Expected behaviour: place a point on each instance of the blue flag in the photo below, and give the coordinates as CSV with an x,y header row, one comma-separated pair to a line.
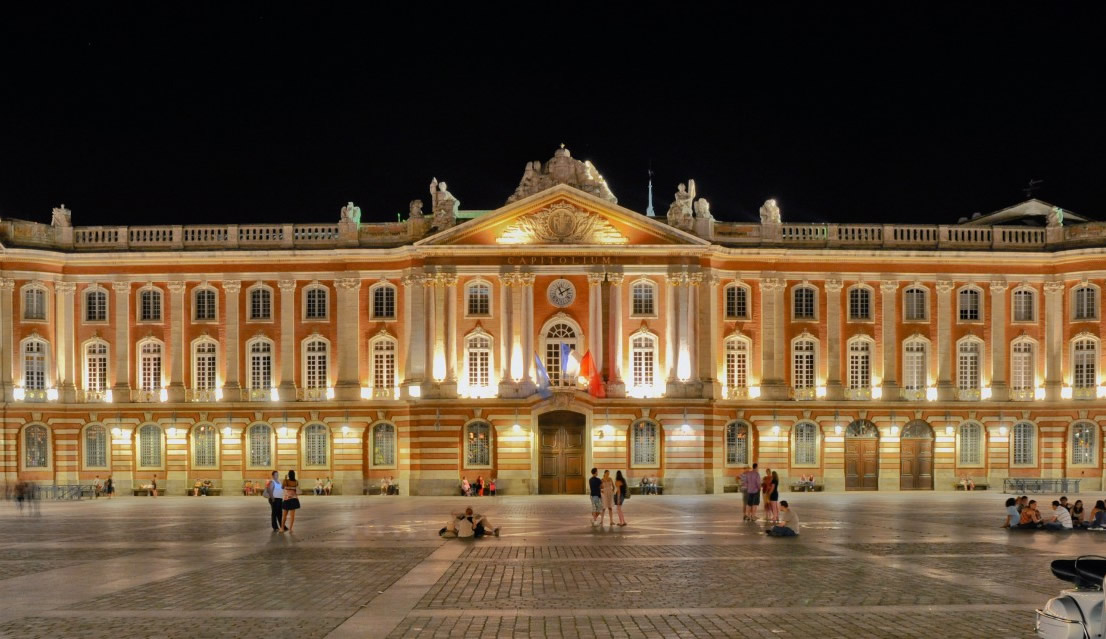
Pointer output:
x,y
543,379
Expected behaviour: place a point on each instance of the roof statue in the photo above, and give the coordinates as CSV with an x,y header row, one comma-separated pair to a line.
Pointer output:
x,y
561,169
63,217
443,205
679,213
702,209
1055,216
770,212
414,209
351,213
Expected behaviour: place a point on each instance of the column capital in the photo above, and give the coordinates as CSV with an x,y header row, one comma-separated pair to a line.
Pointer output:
x,y
525,279
65,287
713,279
615,278
232,286
834,286
999,286
694,279
121,287
676,279
348,283
412,280
445,279
889,286
176,287
6,284
595,279
287,285
770,284
1052,288
945,287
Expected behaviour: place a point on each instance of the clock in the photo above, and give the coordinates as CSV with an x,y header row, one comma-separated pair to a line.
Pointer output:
x,y
561,293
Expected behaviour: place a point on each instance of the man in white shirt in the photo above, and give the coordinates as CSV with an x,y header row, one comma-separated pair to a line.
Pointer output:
x,y
789,523
1061,519
275,495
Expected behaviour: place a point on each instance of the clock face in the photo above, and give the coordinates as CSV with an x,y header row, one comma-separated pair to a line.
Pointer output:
x,y
561,293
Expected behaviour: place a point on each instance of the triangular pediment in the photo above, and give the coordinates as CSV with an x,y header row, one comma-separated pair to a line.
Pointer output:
x,y
562,216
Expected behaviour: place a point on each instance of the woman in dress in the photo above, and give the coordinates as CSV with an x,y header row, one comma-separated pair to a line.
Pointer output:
x,y
620,495
606,493
765,492
291,501
466,489
774,497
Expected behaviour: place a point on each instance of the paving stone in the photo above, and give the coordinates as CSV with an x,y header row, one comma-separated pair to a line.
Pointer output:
x,y
197,627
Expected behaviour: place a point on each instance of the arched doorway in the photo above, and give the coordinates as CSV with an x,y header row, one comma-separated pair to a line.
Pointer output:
x,y
861,456
916,456
561,453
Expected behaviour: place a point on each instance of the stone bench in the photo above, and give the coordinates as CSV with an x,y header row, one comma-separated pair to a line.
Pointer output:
x,y
806,488
636,490
213,491
142,490
979,485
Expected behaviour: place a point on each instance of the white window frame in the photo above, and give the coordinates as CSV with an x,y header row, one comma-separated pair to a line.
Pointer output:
x,y
803,390
813,302
157,294
967,392
1027,393
306,294
383,392
86,462
730,446
961,449
305,448
648,357
871,295
651,285
658,443
981,316
247,446
795,463
249,365
305,366
23,448
1096,299
856,382
472,284
139,441
86,369
205,288
577,342
195,449
394,452
258,287
372,301
488,352
925,304
467,437
1021,292
1095,358
38,287
926,349
97,290
140,371
195,359
735,287
1032,463
733,369
47,372
1095,447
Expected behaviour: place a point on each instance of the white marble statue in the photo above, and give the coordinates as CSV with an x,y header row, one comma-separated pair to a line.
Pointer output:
x,y
351,213
414,209
562,168
63,217
443,205
702,208
770,212
680,213
1055,217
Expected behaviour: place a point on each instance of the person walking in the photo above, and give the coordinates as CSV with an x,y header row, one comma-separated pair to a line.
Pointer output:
x,y
606,491
620,491
291,501
274,492
751,480
595,486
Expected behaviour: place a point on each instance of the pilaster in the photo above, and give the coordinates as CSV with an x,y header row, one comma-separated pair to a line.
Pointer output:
x,y
231,388
670,291
999,388
945,390
595,318
526,282
834,388
176,342
121,391
64,325
414,368
287,388
6,344
616,387
772,352
507,335
348,386
710,341
1054,327
448,282
890,343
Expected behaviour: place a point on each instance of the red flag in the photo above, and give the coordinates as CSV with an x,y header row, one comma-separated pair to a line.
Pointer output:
x,y
595,380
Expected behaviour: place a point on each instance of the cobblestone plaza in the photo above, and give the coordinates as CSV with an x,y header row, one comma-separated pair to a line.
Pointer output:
x,y
870,565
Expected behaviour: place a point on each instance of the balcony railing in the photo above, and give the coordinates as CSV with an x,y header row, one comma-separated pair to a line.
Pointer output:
x,y
35,395
1085,392
202,395
311,394
737,392
84,395
858,393
257,394
146,395
1022,394
913,394
969,394
804,393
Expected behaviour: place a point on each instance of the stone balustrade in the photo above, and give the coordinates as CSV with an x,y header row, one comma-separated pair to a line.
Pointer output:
x,y
907,236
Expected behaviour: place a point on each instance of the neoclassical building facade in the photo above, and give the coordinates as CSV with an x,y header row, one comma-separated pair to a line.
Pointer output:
x,y
449,345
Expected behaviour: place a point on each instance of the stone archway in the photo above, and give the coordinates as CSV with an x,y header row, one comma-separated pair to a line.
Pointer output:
x,y
562,452
916,456
861,456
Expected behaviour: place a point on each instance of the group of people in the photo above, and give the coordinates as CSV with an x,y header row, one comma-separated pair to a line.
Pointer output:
x,y
649,485
202,488
607,496
323,488
1022,513
478,488
468,525
753,486
283,499
103,488
388,486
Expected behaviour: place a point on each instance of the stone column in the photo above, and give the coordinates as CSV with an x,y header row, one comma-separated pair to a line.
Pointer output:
x,y
890,344
999,388
709,342
429,324
348,386
121,392
773,355
671,289
616,387
449,286
1054,336
441,366
66,370
232,391
527,386
506,334
945,389
288,341
595,319
414,333
693,282
834,388
176,341
6,345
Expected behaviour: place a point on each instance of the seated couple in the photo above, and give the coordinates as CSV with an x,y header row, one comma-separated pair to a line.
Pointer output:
x,y
467,525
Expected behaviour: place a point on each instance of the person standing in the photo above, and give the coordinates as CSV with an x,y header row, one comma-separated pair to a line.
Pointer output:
x,y
765,491
109,487
274,492
773,507
606,491
153,486
291,501
595,486
620,490
751,479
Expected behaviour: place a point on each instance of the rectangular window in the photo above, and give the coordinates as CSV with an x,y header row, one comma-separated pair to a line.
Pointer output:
x,y
316,366
151,367
479,362
384,364
804,303
645,444
95,306
803,365
95,447
914,301
34,304
261,304
205,305
642,362
968,370
1023,444
1083,368
384,302
860,365
261,370
96,368
642,299
914,366
479,301
970,448
316,304
1022,367
149,306
205,367
34,365
1023,306
737,358
969,305
860,304
737,303
1085,307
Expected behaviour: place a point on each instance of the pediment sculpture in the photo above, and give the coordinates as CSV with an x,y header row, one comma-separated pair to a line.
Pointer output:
x,y
561,169
561,223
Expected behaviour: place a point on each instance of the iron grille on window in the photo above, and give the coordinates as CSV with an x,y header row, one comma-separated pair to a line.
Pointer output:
x,y
1024,306
806,443
971,444
914,365
96,367
860,364
315,441
316,363
261,445
149,446
1023,443
1085,303
969,305
914,299
36,443
261,304
34,304
150,366
149,306
479,299
479,361
642,354
643,302
737,303
316,303
384,445
95,306
205,366
803,297
261,365
1084,369
384,302
204,442
205,304
478,445
737,443
1083,443
967,378
1022,367
803,364
860,304
645,443
96,446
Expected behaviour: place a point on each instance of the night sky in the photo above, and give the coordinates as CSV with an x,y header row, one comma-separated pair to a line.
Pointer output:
x,y
182,113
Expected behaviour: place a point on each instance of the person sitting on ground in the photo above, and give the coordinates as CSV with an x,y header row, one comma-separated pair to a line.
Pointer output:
x,y
468,525
1098,515
205,488
1030,516
318,485
328,487
1023,501
1012,514
789,523
1065,504
1078,517
1061,518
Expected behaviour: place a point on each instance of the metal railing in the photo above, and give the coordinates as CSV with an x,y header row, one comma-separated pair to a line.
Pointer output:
x,y
1027,485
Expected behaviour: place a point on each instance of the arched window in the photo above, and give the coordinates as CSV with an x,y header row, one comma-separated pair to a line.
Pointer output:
x,y
260,441
203,304
384,445
205,446
737,366
384,301
149,365
95,305
645,443
149,304
1024,444
970,309
643,360
261,364
1083,442
1024,302
34,364
860,303
478,363
1023,369
315,302
204,361
805,444
34,302
478,299
260,303
478,444
316,356
95,446
1084,367
737,302
1084,302
96,367
802,303
860,365
643,299
315,439
969,356
149,446
914,304
915,367
557,335
384,366
971,444
803,356
737,444
36,447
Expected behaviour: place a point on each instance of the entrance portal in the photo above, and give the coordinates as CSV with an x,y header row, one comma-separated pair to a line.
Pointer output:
x,y
861,456
561,453
917,456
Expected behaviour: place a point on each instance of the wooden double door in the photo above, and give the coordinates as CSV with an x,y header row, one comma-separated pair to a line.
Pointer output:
x,y
916,457
561,453
861,463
